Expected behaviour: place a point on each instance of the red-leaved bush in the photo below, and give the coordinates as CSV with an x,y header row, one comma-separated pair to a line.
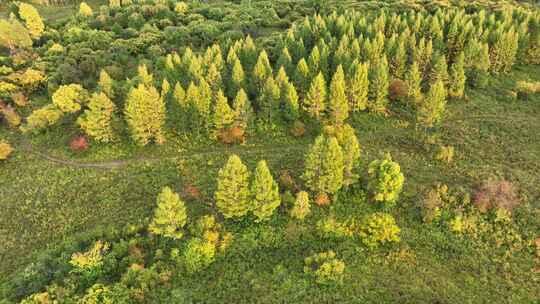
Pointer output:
x,y
233,135
398,89
496,194
78,143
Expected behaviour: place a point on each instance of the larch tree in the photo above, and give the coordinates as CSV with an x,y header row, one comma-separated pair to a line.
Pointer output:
x,y
290,103
301,207
265,193
69,98
203,104
32,19
338,105
285,60
96,121
170,215
223,114
351,153
315,101
456,86
238,78
323,171
358,87
385,180
262,71
243,111
145,114
301,75
105,84
378,86
431,109
413,79
439,69
269,99
85,10
179,95
232,195
14,35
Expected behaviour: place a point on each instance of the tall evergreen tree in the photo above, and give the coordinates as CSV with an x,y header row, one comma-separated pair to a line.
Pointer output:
x,y
170,216
351,153
285,60
301,207
223,114
265,193
315,101
323,171
232,194
32,19
378,86
238,78
439,69
431,109
262,71
301,75
96,121
105,84
338,105
179,95
243,111
358,87
269,100
145,114
413,79
290,103
456,86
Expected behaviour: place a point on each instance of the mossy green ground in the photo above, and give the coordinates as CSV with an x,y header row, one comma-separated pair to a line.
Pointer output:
x,y
44,202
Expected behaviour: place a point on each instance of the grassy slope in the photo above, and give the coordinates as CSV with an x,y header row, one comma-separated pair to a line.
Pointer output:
x,y
43,203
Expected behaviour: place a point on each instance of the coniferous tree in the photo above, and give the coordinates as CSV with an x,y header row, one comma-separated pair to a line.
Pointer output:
x,y
301,75
282,80
439,69
105,84
85,10
385,180
243,111
223,114
323,171
301,207
290,103
179,95
203,103
351,153
314,62
238,78
431,109
265,193
69,98
213,77
456,86
144,77
232,194
262,71
14,35
145,114
338,105
96,120
399,61
413,79
285,60
378,86
269,100
170,216
358,87
315,101
32,19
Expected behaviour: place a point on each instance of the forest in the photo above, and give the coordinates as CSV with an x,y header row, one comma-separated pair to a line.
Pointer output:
x,y
269,151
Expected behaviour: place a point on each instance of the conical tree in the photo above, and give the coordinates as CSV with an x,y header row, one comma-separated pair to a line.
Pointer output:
x,y
439,69
105,84
202,105
413,79
265,193
358,87
243,111
179,95
385,180
323,172
290,101
315,101
96,121
238,78
232,194
261,71
32,19
351,153
301,75
456,86
431,109
213,77
301,207
145,114
378,86
285,60
170,216
223,114
269,100
338,105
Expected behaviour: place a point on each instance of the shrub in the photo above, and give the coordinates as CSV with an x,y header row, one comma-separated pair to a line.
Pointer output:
x,y
445,154
10,115
91,259
325,268
385,180
377,229
78,143
68,98
298,129
170,216
332,229
198,254
42,118
85,10
526,88
301,207
494,194
5,150
398,90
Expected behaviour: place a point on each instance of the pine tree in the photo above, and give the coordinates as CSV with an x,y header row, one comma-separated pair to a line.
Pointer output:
x,y
314,61
144,77
170,216
399,60
315,101
265,193
285,60
301,207
338,105
358,87
96,121
32,19
238,78
179,95
378,86
223,114
269,100
232,194
301,75
323,172
202,105
105,84
431,109
243,111
213,77
262,71
85,10
413,79
351,153
439,69
456,86
145,114
290,102
192,96
14,35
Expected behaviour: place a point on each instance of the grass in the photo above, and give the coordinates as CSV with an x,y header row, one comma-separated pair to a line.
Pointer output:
x,y
44,203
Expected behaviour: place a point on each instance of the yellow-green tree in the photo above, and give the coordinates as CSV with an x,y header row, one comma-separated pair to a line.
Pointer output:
x,y
223,114
232,195
14,35
69,98
145,114
243,111
96,121
315,101
265,193
358,87
385,180
170,215
85,10
301,207
32,19
431,109
105,84
323,171
338,105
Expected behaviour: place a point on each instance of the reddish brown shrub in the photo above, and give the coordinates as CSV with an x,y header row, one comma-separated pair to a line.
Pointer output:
x,y
287,182
298,129
78,143
322,199
191,192
398,89
233,135
496,194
